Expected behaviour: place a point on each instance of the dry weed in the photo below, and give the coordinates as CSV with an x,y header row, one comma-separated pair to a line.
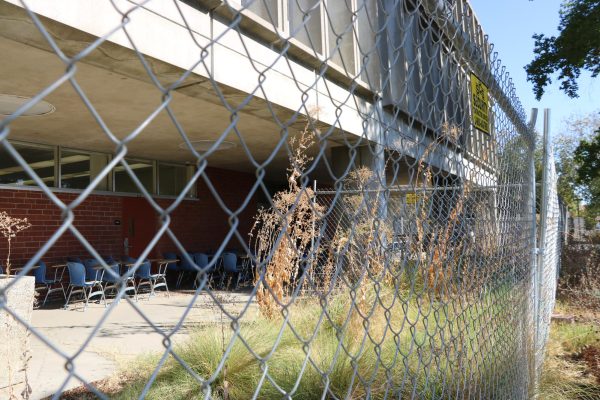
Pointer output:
x,y
283,234
437,237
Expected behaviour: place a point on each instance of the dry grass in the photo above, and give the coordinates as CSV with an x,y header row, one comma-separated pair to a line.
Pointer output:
x,y
572,365
282,235
375,359
566,374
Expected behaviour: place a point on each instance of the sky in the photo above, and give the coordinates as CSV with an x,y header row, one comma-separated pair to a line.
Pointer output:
x,y
510,25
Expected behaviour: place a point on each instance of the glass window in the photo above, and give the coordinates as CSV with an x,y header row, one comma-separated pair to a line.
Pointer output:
x,y
143,171
78,169
266,9
341,34
305,22
40,158
367,21
171,179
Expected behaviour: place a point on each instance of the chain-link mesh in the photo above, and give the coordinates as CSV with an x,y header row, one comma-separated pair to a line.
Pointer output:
x,y
549,249
361,170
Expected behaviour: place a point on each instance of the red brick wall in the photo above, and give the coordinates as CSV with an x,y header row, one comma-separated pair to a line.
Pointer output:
x,y
200,224
94,219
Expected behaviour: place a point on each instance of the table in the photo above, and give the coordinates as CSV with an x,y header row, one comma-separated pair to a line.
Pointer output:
x,y
15,271
59,273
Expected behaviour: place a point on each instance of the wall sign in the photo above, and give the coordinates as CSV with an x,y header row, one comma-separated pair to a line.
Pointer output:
x,y
480,104
411,198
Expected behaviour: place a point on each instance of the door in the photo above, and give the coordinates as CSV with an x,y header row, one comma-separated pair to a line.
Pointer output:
x,y
139,225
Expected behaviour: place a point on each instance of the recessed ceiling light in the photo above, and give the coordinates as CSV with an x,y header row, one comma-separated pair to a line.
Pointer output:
x,y
10,103
205,145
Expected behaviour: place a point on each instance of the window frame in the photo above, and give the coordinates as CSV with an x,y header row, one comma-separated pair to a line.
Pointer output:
x,y
36,146
57,173
59,164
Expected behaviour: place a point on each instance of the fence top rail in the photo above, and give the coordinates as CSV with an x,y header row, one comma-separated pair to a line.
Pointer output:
x,y
411,189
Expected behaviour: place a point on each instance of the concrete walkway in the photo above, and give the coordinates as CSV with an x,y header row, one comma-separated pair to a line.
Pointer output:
x,y
123,335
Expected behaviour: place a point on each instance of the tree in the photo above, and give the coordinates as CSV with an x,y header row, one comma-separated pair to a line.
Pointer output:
x,y
578,129
577,47
587,157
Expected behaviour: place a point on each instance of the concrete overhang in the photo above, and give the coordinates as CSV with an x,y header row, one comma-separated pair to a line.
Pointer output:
x,y
124,95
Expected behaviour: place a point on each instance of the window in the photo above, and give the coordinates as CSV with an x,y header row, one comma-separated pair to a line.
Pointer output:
x,y
305,22
368,52
266,9
171,179
144,172
40,159
78,169
341,34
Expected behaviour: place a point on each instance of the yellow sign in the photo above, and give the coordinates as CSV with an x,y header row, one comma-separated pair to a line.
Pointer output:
x,y
480,104
411,198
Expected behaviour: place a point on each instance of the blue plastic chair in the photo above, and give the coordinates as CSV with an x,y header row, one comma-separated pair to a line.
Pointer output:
x,y
160,277
42,282
91,272
201,260
109,259
109,280
78,284
144,276
171,266
230,267
185,266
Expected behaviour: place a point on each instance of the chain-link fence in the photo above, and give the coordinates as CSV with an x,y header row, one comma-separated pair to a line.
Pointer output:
x,y
339,197
549,248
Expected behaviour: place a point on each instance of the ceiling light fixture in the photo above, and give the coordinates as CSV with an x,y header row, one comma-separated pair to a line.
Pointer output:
x,y
205,145
10,103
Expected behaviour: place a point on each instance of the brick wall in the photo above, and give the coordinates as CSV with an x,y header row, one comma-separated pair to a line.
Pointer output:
x,y
94,219
200,225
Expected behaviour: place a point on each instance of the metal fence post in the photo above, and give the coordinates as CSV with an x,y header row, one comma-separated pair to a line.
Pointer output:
x,y
534,272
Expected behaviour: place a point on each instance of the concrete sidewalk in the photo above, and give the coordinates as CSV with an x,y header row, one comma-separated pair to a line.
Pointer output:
x,y
123,335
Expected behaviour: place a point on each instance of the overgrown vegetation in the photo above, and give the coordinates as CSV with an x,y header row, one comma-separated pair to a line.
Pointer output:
x,y
377,327
572,366
320,350
282,234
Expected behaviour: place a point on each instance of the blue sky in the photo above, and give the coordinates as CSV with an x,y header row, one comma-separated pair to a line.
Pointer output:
x,y
510,25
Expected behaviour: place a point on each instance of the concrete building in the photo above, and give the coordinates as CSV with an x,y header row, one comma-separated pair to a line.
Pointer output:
x,y
386,77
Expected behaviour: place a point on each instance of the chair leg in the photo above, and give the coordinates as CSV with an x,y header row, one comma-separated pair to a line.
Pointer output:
x,y
46,297
151,288
87,298
70,290
103,294
179,279
152,283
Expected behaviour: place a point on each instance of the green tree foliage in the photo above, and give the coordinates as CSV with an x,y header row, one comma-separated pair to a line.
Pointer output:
x,y
576,47
587,157
577,130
